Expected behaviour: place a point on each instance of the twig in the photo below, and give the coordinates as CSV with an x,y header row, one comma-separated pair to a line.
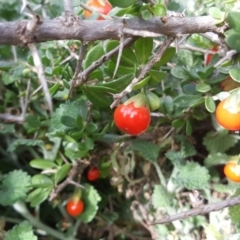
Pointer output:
x,y
83,76
121,46
144,71
204,209
228,56
140,214
141,33
78,69
12,118
40,70
69,180
31,27
68,6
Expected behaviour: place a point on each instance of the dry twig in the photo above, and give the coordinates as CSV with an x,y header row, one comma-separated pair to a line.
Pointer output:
x,y
143,71
204,209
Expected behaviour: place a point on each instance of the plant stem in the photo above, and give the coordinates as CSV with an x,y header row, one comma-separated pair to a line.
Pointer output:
x,y
21,208
160,174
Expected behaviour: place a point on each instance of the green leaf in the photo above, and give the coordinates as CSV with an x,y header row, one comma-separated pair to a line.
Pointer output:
x,y
88,142
42,164
216,142
91,128
96,74
41,180
99,95
14,187
93,55
187,100
38,195
68,121
203,87
91,198
161,198
54,89
153,101
175,157
167,56
122,70
185,57
178,123
233,41
143,49
159,10
146,14
70,108
128,57
62,173
122,3
217,14
28,142
234,211
214,159
12,76
156,77
234,20
5,66
235,74
147,149
33,121
210,104
22,231
212,233
7,128
193,176
141,84
83,109
118,84
179,72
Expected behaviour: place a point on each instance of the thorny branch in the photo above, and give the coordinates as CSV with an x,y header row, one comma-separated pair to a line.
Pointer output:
x,y
70,27
143,71
204,209
78,69
69,180
28,32
83,76
68,6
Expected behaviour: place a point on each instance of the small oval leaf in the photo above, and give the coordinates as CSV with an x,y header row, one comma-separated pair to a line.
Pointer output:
x,y
62,173
210,104
42,164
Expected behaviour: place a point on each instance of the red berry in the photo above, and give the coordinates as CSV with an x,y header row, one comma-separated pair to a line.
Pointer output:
x,y
93,174
74,207
132,120
102,6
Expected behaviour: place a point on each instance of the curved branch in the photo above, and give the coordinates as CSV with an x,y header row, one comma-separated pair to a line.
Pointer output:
x,y
69,27
212,207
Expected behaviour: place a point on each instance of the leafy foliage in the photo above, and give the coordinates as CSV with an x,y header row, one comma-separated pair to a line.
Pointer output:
x,y
91,198
23,231
26,142
234,211
147,149
14,187
193,176
160,197
216,142
183,143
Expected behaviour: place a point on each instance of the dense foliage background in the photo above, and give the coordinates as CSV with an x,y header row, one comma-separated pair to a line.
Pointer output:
x,y
50,137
